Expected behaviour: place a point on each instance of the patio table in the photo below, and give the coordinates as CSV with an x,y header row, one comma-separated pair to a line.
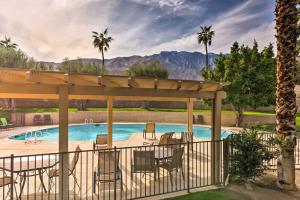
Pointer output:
x,y
23,165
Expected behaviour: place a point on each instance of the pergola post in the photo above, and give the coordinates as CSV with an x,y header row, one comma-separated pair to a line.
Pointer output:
x,y
63,143
216,136
109,121
190,105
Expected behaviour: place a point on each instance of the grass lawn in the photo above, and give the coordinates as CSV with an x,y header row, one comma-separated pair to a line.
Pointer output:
x,y
208,195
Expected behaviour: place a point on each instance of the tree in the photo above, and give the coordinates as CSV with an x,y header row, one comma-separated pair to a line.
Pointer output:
x,y
7,43
205,37
249,76
101,41
286,108
79,66
151,68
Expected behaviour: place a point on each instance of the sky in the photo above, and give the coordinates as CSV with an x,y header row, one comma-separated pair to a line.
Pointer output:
x,y
51,30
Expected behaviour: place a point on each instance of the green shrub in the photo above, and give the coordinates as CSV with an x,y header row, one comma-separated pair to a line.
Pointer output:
x,y
250,155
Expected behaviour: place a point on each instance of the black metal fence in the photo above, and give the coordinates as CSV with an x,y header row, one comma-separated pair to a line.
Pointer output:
x,y
118,173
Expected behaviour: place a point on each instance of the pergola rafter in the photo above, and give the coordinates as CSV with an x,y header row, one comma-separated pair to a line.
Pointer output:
x,y
30,84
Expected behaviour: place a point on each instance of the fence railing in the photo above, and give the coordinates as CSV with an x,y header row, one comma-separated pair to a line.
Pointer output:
x,y
118,173
273,162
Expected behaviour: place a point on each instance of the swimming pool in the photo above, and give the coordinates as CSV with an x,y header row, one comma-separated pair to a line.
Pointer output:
x,y
88,132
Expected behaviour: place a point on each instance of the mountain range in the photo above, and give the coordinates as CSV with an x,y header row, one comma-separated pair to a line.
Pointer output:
x,y
181,65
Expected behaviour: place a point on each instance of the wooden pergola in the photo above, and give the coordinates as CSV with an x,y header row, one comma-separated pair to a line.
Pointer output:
x,y
19,83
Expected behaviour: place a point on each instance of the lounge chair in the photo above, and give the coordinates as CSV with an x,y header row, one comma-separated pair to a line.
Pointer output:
x,y
150,130
53,173
48,120
143,162
6,181
174,164
5,124
38,120
108,169
101,142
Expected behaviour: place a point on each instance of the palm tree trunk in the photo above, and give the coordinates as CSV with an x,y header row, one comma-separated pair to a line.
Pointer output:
x,y
286,108
206,58
102,61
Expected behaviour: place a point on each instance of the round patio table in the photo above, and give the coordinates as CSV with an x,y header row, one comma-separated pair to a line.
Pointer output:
x,y
22,166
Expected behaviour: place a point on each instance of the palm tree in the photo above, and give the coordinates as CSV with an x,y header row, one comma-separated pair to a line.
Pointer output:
x,y
7,43
286,108
101,41
205,37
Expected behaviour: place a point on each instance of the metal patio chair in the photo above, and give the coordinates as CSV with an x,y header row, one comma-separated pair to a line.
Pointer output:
x,y
108,169
53,173
175,163
38,120
143,162
101,142
150,130
163,140
5,181
47,119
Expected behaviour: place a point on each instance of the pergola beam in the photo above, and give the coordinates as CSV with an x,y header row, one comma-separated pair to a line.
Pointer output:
x,y
87,92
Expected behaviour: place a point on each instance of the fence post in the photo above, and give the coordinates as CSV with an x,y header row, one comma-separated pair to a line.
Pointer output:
x,y
12,176
225,159
115,174
188,166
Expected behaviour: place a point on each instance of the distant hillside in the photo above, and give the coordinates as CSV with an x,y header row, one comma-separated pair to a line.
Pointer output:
x,y
181,65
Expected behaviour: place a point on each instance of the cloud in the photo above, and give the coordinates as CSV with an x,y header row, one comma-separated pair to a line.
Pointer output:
x,y
239,24
54,29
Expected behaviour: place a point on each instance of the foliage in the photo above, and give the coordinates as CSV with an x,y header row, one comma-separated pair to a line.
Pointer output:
x,y
80,66
7,43
149,68
12,57
250,155
205,37
101,41
250,77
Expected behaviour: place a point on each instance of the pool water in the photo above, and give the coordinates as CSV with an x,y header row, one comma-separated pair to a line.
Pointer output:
x,y
88,132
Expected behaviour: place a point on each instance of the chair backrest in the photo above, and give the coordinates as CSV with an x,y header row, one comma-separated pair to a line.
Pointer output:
x,y
187,136
177,157
4,121
101,139
75,160
150,127
47,117
165,138
37,117
107,161
143,161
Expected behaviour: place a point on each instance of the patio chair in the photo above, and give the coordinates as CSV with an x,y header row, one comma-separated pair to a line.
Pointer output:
x,y
174,164
108,169
6,181
101,142
38,120
164,139
5,124
150,130
143,162
48,120
53,173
